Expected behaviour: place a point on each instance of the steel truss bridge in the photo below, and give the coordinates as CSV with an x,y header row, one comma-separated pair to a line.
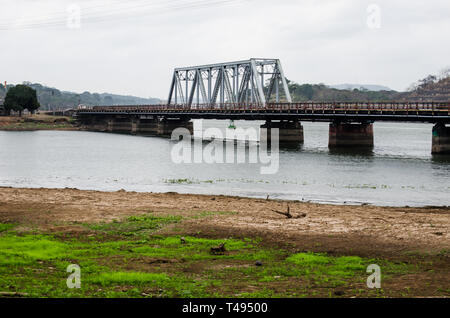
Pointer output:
x,y
240,82
252,90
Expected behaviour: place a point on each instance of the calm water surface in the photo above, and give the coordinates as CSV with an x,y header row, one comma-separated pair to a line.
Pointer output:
x,y
400,170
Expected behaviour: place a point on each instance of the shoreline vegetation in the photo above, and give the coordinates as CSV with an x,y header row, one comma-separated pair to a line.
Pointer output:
x,y
130,244
37,122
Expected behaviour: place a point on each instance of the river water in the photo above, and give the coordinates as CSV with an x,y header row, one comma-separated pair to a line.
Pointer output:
x,y
399,171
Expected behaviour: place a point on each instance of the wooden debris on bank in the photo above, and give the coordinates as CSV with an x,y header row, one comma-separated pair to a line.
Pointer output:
x,y
288,214
220,250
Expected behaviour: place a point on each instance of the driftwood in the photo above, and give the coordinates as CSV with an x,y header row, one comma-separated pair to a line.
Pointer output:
x,y
218,250
288,214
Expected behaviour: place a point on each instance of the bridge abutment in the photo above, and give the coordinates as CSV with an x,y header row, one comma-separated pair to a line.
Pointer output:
x,y
350,135
152,126
167,126
146,126
290,132
441,139
120,125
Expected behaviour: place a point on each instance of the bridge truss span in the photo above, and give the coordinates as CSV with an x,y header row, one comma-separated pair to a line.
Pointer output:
x,y
253,81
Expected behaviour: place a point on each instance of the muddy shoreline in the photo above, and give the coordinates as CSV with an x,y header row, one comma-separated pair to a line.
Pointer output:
x,y
416,240
364,230
37,122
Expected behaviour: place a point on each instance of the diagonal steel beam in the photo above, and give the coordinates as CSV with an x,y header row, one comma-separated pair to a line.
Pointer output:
x,y
283,80
172,88
259,85
193,88
202,89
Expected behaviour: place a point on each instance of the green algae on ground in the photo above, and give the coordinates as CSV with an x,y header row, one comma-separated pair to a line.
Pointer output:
x,y
136,225
127,259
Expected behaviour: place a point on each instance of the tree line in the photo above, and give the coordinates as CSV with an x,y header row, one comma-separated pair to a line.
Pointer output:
x,y
19,98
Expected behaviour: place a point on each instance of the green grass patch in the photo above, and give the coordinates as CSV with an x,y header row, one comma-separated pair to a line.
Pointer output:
x,y
127,259
136,225
323,264
16,250
199,249
5,227
129,278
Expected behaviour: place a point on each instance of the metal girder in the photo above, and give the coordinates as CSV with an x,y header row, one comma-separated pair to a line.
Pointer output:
x,y
228,89
216,88
193,89
202,87
235,82
243,90
283,80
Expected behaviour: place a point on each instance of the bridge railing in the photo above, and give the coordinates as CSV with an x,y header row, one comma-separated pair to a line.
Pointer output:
x,y
302,106
412,106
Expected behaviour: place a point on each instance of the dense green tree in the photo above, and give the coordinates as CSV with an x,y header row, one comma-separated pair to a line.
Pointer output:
x,y
21,97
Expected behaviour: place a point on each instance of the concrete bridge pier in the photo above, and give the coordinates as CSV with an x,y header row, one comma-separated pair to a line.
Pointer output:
x,y
95,124
441,139
350,135
290,132
119,125
146,126
134,125
151,125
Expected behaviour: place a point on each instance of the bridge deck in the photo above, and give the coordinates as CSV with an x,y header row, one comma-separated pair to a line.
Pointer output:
x,y
398,111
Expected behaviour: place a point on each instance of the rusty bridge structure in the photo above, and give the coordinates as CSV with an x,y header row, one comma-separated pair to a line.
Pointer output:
x,y
256,89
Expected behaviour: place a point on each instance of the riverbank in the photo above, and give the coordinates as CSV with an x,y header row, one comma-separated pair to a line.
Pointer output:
x,y
37,122
322,250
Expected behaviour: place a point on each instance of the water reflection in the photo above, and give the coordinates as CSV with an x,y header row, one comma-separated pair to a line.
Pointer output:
x,y
441,159
363,152
290,146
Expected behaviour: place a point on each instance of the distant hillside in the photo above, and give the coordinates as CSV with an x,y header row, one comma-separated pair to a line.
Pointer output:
x,y
52,98
375,88
431,88
321,92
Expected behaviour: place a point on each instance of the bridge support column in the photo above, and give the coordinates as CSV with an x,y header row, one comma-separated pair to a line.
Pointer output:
x,y
109,124
134,126
290,132
95,124
441,139
120,125
350,135
167,126
147,126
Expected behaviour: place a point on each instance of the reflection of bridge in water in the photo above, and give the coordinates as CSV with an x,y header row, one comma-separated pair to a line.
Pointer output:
x,y
242,94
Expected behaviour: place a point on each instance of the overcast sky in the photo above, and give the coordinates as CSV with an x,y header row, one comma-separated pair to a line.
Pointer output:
x,y
131,47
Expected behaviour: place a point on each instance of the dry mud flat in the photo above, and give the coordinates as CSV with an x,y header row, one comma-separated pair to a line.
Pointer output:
x,y
416,236
365,230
